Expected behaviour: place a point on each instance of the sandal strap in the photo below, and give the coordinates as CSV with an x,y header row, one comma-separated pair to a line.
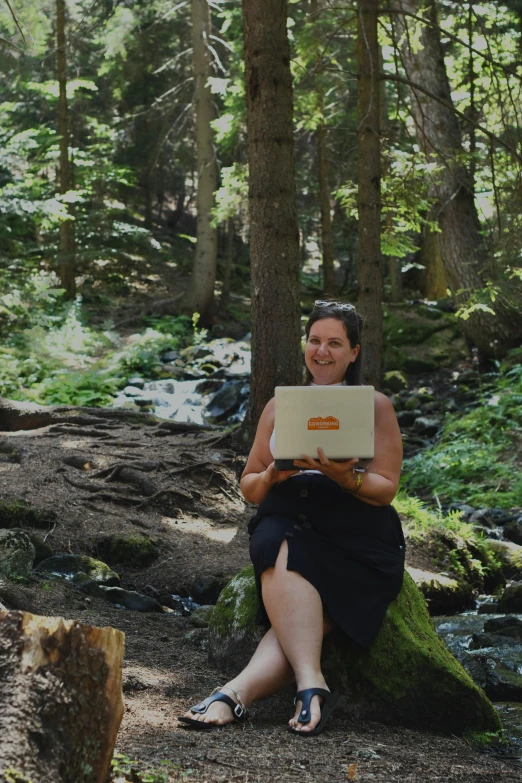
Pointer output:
x,y
238,711
305,697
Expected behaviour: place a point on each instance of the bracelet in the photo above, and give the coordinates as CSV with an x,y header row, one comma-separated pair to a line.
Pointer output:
x,y
358,482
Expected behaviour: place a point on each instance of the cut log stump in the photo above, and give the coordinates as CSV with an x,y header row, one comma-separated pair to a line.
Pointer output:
x,y
61,699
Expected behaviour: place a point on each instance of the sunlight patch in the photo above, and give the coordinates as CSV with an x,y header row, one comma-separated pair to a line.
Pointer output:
x,y
198,526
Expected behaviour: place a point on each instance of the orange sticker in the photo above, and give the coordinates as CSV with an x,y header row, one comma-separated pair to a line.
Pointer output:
x,y
330,423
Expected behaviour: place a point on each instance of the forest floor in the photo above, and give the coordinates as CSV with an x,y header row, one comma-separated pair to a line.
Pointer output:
x,y
192,510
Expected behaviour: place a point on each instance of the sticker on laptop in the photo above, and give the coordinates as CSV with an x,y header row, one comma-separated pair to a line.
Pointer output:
x,y
330,423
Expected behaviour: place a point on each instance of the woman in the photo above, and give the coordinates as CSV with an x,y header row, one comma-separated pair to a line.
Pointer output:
x,y
327,547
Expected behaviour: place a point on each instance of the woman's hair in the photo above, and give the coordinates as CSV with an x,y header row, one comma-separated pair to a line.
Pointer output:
x,y
352,322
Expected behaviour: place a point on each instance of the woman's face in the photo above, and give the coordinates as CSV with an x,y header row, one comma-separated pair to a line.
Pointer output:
x,y
328,351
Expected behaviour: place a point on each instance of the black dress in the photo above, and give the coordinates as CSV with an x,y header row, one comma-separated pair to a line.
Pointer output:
x,y
350,551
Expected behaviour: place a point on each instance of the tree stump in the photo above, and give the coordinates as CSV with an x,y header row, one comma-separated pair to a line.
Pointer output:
x,y
61,699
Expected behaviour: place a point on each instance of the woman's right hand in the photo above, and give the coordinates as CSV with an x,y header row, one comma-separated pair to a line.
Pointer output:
x,y
273,476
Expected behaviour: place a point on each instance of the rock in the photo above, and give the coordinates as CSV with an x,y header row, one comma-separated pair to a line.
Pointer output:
x,y
224,402
499,623
443,594
134,550
479,641
200,617
513,531
412,403
426,425
41,547
509,554
482,517
394,381
407,418
206,589
511,599
498,681
67,566
137,381
16,554
407,676
469,377
489,607
130,599
16,513
170,356
133,391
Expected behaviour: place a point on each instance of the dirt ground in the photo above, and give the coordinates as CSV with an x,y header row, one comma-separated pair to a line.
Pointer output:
x,y
192,509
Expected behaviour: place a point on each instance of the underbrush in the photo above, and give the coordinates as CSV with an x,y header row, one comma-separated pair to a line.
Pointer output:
x,y
50,356
477,459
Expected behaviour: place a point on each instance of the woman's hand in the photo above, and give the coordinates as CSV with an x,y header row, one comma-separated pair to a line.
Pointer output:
x,y
340,472
273,476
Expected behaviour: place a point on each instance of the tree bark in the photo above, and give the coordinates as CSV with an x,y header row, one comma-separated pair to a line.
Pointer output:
x,y
369,259
461,245
201,292
274,240
66,254
435,281
61,699
329,286
229,263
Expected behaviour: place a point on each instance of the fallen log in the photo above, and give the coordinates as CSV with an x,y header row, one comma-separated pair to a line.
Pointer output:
x,y
60,699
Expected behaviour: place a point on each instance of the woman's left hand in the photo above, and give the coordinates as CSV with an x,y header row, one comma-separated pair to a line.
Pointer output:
x,y
340,472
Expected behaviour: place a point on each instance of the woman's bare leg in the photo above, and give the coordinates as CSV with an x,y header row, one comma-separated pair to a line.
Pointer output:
x,y
268,672
296,612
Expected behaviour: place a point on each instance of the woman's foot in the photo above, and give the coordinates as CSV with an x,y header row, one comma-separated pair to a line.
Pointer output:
x,y
218,713
315,706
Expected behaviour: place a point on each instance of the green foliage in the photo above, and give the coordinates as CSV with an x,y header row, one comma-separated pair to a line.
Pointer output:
x,y
475,459
124,768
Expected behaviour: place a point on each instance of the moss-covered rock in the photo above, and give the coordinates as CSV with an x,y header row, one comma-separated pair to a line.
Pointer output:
x,y
407,676
508,554
16,554
134,550
16,513
68,566
394,381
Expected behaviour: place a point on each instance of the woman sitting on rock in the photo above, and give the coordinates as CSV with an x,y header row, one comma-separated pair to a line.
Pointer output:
x,y
327,547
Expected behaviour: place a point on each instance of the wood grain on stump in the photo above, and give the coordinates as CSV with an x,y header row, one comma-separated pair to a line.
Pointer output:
x,y
60,698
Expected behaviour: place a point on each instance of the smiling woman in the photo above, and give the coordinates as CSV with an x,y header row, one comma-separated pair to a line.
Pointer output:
x,y
327,548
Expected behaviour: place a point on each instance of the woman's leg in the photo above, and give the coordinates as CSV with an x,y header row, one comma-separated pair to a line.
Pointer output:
x,y
296,613
268,672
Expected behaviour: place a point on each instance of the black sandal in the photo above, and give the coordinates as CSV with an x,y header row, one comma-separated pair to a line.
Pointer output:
x,y
330,702
239,712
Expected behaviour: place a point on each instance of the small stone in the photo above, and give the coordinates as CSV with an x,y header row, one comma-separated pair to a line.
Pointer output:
x,y
406,418
132,391
394,380
511,599
427,426
170,356
137,381
513,531
200,617
206,589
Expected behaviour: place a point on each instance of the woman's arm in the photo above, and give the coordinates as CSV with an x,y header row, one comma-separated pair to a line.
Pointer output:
x,y
381,479
260,475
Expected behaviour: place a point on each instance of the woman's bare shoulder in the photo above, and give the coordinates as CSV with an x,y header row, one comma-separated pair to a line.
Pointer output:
x,y
383,403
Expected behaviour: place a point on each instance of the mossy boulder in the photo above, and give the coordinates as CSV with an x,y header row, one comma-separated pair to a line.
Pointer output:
x,y
134,550
16,554
69,566
509,555
16,513
407,676
394,381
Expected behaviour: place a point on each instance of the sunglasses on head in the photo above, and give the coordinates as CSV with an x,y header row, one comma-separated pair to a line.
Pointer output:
x,y
321,303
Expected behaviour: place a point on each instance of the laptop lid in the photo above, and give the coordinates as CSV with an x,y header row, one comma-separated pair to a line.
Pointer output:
x,y
339,419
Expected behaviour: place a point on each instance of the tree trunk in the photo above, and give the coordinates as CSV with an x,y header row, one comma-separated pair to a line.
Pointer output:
x,y
229,263
329,286
369,259
274,240
66,254
435,282
61,699
201,292
461,245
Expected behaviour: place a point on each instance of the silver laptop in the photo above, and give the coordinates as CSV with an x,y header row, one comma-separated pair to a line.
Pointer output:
x,y
339,419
